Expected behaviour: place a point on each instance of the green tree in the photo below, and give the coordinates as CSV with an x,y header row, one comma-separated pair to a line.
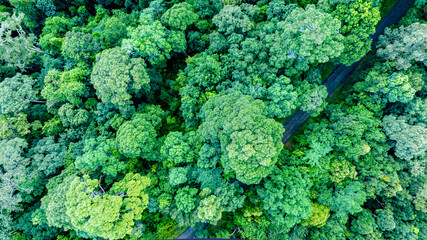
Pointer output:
x,y
398,88
410,139
281,98
385,220
178,175
210,210
180,148
16,94
356,129
116,76
15,50
207,8
417,109
320,139
77,47
109,215
308,36
37,229
71,117
250,142
110,31
101,153
342,170
345,200
285,197
67,86
203,70
318,217
138,137
53,34
202,74
231,19
185,199
420,200
364,224
312,98
279,10
149,41
31,14
53,204
14,126
179,16
47,155
333,230
359,19
177,41
404,46
420,3
247,62
13,177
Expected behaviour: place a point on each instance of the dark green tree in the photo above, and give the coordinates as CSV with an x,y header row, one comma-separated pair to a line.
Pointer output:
x,y
385,220
312,98
281,98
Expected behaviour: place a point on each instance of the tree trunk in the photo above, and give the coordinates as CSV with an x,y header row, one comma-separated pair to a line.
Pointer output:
x,y
35,101
39,102
41,51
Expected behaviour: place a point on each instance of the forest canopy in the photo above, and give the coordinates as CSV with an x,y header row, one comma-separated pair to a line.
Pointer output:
x,y
139,119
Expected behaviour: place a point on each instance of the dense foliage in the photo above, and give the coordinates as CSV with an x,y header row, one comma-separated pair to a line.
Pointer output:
x,y
137,119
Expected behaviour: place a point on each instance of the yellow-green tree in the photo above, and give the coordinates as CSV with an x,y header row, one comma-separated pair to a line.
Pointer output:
x,y
107,214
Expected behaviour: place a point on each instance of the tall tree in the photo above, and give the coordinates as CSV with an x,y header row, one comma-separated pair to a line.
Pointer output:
x,y
179,16
359,19
138,137
404,46
15,50
67,86
16,94
398,88
312,97
14,174
410,139
47,155
116,76
306,37
101,153
149,41
285,197
77,48
248,140
108,215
